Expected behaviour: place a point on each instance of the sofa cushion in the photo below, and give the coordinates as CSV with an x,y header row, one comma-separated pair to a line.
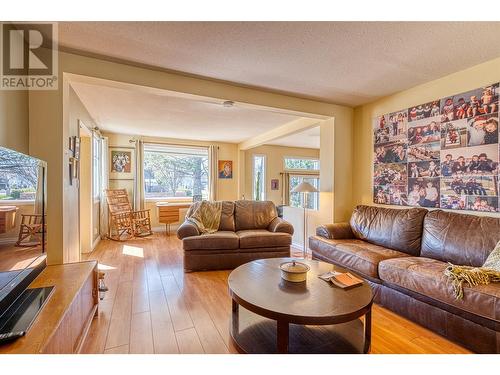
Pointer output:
x,y
227,216
253,214
425,276
357,255
214,241
255,238
461,239
397,229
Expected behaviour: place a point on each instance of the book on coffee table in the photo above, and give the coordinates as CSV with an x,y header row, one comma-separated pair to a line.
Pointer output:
x,y
344,280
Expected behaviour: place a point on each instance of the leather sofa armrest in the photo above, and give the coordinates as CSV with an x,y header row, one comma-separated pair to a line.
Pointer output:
x,y
280,225
187,229
337,231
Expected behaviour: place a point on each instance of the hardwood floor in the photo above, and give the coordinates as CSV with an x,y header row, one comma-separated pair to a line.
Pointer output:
x,y
14,259
152,306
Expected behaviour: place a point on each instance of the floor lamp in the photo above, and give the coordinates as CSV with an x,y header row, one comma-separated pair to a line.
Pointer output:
x,y
305,188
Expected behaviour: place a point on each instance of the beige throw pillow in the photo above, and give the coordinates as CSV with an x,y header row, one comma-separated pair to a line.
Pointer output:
x,y
493,261
488,273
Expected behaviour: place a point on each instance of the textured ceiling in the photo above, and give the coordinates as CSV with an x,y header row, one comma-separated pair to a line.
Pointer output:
x,y
128,111
309,138
341,62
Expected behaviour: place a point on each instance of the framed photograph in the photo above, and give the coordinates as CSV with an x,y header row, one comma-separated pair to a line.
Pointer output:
x,y
275,184
225,168
444,153
122,162
389,194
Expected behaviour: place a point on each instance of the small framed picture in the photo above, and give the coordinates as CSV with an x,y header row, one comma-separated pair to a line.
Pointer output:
x,y
225,169
122,161
275,184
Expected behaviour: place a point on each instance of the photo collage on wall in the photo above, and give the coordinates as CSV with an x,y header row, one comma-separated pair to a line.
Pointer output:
x,y
444,153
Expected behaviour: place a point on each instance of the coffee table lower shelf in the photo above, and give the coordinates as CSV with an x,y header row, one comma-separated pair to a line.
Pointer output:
x,y
255,334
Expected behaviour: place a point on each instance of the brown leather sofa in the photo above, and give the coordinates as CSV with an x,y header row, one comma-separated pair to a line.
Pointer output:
x,y
402,253
248,230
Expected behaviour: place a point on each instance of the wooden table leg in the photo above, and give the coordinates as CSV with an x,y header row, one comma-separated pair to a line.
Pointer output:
x,y
282,336
368,331
235,317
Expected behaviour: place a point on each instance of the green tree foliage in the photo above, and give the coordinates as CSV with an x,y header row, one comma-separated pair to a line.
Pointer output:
x,y
17,171
258,185
176,172
307,164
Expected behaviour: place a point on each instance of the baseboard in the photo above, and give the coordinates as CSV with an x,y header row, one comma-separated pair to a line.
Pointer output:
x,y
8,241
298,246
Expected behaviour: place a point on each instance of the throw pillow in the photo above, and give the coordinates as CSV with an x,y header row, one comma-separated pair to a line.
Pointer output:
x,y
488,273
493,261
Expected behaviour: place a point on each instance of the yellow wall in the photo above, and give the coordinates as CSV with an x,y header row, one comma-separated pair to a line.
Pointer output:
x,y
78,113
48,140
14,124
477,76
274,166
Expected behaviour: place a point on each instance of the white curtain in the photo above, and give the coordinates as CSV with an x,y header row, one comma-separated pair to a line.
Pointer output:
x,y
213,175
104,186
139,176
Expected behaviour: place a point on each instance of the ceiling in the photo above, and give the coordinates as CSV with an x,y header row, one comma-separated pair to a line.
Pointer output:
x,y
347,63
121,109
309,138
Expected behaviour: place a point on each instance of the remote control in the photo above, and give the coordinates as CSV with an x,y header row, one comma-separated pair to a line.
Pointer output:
x,y
9,336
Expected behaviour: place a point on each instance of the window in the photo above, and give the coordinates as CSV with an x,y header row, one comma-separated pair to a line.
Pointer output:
x,y
302,169
297,199
175,171
18,176
259,177
96,167
301,164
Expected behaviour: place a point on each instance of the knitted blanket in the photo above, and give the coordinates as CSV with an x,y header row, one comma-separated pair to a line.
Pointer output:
x,y
205,215
488,273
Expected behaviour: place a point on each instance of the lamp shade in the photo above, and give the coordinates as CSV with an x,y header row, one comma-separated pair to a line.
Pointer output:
x,y
304,187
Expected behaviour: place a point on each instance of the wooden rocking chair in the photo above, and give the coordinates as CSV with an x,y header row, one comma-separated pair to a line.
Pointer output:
x,y
123,223
31,228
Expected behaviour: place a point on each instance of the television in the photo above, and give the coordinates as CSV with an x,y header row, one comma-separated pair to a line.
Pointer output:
x,y
23,232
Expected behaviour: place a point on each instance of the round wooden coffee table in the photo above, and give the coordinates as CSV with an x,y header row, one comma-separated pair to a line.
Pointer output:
x,y
271,315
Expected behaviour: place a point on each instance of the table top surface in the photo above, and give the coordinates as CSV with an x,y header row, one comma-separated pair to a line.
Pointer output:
x,y
258,286
67,280
173,204
8,208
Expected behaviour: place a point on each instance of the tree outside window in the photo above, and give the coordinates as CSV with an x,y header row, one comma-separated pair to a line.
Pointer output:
x,y
174,171
293,165
302,164
259,177
297,199
18,176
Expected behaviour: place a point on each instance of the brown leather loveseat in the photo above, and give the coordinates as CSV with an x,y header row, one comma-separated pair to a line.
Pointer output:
x,y
403,253
248,230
